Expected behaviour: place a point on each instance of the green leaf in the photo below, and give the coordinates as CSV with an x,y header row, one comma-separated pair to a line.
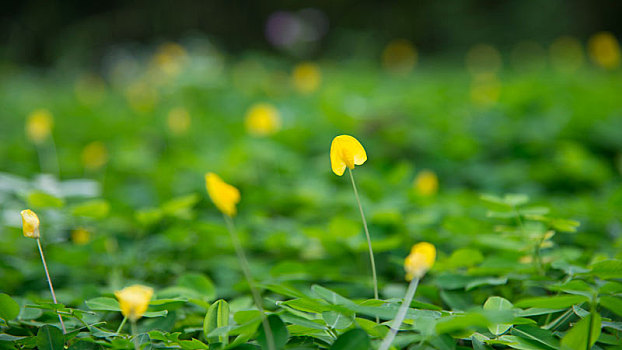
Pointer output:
x,y
279,333
537,334
331,296
38,199
552,302
498,304
50,338
577,337
9,309
96,209
607,269
103,304
217,316
612,303
199,283
337,320
354,339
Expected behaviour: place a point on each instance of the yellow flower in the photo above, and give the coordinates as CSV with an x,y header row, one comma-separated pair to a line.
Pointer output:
x,y
80,236
39,125
420,260
134,301
178,120
399,57
262,119
346,151
30,224
426,183
94,155
605,50
224,196
306,77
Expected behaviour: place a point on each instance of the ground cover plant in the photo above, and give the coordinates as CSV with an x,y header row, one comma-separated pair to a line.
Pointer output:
x,y
187,200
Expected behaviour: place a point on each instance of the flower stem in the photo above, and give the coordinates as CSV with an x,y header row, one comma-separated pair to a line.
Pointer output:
x,y
371,252
121,325
134,331
249,279
401,313
47,274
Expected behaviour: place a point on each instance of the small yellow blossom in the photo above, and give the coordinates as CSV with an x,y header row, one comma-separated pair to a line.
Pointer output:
x,y
346,151
94,155
604,50
426,183
178,121
80,236
262,119
420,260
39,125
306,77
134,301
30,224
170,58
399,57
224,196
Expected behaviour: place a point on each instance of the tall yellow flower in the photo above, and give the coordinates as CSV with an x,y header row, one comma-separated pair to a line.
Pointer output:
x,y
420,260
346,151
30,224
604,50
306,77
262,119
134,301
39,125
224,196
426,183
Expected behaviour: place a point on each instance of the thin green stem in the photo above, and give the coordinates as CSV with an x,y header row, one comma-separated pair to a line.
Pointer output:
x,y
121,325
249,279
134,335
591,324
47,274
371,252
401,314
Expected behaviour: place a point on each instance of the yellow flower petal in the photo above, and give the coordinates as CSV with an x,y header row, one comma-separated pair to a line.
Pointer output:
x,y
306,77
346,151
420,260
224,196
262,119
30,224
605,50
134,300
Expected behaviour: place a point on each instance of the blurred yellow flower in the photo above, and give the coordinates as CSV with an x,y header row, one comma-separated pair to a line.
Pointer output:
x,y
141,96
80,236
485,89
420,260
346,151
134,301
306,77
170,58
483,59
426,183
178,121
604,50
262,119
39,125
224,196
399,56
30,224
94,155
566,54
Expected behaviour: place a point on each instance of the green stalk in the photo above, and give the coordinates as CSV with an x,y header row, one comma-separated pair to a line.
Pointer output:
x,y
401,314
371,252
249,279
134,331
47,274
122,324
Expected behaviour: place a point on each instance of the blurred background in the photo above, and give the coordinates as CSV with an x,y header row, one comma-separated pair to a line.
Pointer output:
x,y
112,112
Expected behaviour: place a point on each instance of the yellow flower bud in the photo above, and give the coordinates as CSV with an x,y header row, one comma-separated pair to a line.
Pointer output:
x,y
262,119
224,196
426,183
605,50
346,151
420,260
306,77
39,125
134,301
30,224
80,236
94,155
